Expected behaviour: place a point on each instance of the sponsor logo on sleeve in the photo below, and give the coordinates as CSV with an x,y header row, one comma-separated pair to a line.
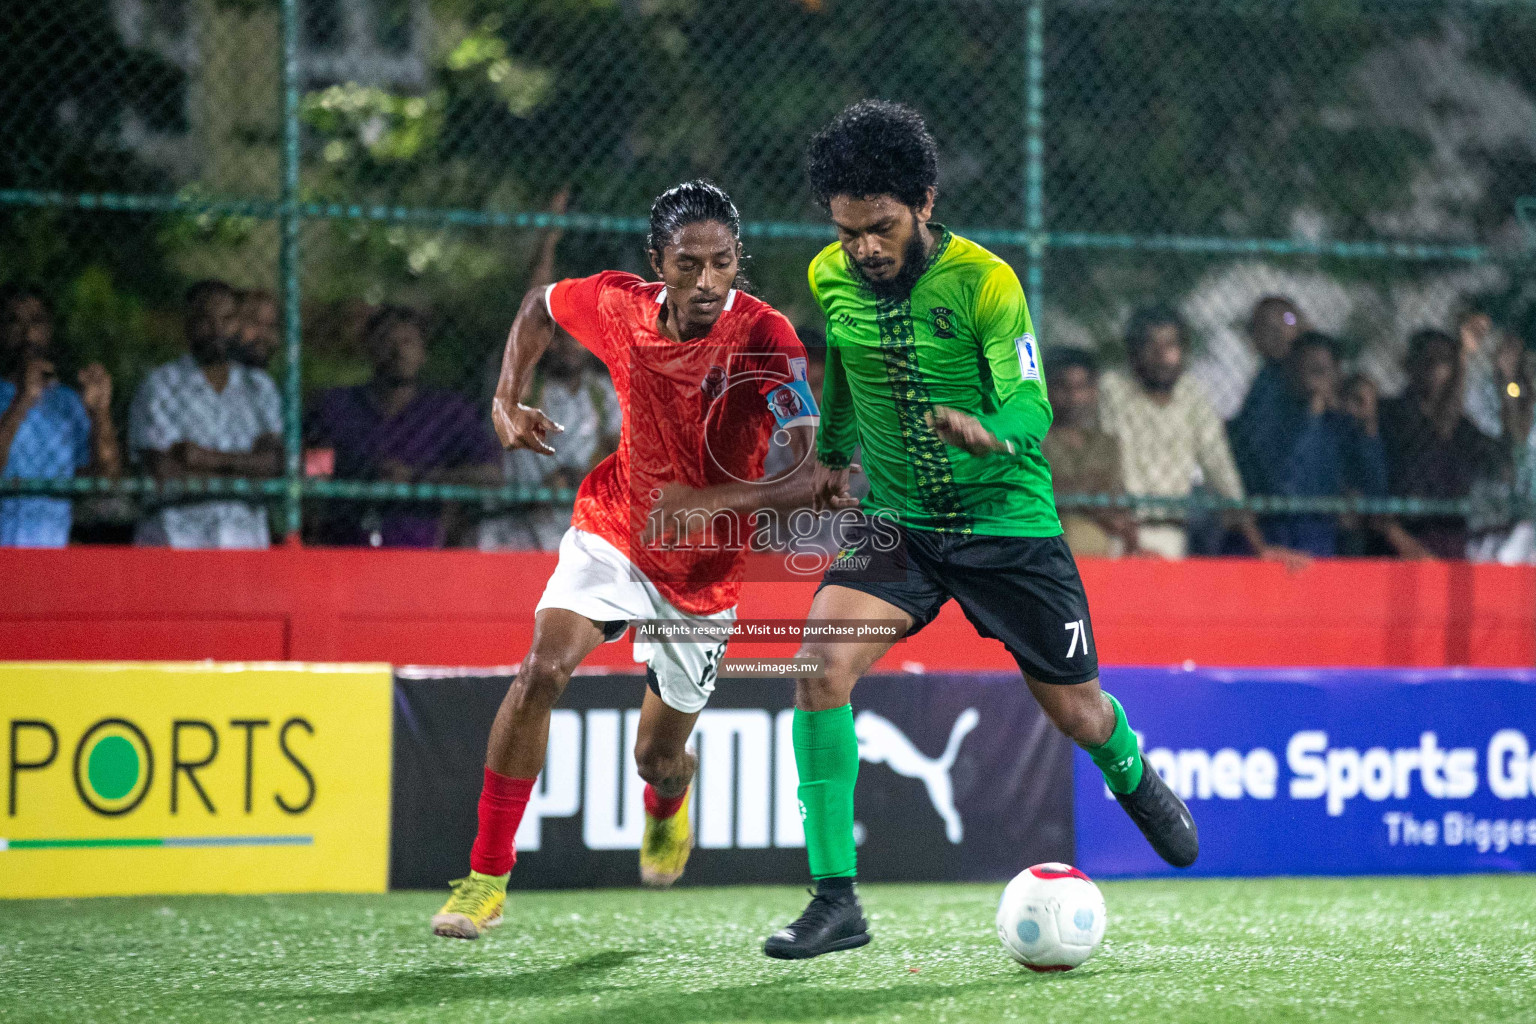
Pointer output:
x,y
1029,359
792,404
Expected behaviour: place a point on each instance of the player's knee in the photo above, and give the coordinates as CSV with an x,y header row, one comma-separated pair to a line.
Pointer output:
x,y
840,670
539,684
832,687
649,758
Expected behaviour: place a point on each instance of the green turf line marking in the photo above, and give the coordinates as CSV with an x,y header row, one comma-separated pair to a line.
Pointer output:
x,y
165,841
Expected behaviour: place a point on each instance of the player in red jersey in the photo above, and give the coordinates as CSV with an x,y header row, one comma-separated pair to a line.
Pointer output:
x,y
706,375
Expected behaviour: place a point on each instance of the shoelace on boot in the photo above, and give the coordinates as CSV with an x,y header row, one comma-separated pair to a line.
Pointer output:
x,y
471,892
822,907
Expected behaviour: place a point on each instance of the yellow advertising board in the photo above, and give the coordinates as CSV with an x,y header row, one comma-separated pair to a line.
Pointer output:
x,y
130,778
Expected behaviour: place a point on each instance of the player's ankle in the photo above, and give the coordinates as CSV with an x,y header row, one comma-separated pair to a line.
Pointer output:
x,y
663,807
842,885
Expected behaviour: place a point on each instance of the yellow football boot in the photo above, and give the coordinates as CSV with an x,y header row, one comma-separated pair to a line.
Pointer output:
x,y
665,848
474,906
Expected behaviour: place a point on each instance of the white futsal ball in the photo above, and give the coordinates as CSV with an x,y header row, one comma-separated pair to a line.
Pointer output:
x,y
1051,917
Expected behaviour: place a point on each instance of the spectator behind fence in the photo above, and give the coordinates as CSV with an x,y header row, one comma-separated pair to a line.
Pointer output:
x,y
1084,459
1498,401
577,394
1360,400
1519,548
47,430
1433,449
1273,328
207,415
1300,444
393,429
1170,437
1230,374
259,335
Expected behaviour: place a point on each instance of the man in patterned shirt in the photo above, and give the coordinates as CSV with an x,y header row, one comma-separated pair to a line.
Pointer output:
x,y
1171,438
206,415
934,371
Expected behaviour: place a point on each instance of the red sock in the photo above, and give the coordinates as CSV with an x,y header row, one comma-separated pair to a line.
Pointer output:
x,y
661,807
502,802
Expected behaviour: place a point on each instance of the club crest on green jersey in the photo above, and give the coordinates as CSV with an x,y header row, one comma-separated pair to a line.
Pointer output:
x,y
943,321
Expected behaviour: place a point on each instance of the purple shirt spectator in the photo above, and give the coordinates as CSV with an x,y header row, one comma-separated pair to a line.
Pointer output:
x,y
434,431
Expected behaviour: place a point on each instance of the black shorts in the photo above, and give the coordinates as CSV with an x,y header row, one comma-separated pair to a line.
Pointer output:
x,y
1024,591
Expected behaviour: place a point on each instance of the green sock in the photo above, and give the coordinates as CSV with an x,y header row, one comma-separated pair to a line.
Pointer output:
x,y
827,756
1119,757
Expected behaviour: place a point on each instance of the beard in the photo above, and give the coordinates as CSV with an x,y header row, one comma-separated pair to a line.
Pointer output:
x,y
390,376
213,351
913,262
1158,385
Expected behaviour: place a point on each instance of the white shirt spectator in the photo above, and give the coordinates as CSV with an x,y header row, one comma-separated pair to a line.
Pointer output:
x,y
176,403
1166,451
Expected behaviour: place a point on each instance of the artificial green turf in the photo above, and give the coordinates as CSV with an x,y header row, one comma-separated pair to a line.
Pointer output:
x,y
1178,952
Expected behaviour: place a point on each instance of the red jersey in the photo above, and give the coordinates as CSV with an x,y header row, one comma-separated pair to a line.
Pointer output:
x,y
700,413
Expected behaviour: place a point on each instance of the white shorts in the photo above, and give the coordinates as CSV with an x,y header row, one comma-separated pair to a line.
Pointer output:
x,y
597,580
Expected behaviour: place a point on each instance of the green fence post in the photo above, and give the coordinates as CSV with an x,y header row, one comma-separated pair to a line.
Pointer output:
x,y
289,220
1034,152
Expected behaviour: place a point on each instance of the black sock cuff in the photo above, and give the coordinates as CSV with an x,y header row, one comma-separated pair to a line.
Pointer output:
x,y
831,885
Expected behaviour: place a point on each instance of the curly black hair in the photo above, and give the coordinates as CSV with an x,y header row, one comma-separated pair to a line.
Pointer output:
x,y
874,148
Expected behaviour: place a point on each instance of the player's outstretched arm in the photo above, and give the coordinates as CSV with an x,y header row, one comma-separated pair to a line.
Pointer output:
x,y
518,425
829,487
807,484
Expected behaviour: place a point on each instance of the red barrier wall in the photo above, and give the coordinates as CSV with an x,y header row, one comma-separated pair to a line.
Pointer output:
x,y
472,609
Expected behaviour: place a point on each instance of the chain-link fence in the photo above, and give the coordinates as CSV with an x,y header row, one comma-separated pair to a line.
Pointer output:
x,y
1371,163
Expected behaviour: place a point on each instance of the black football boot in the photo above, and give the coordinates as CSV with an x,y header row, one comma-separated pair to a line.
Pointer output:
x,y
1162,818
833,921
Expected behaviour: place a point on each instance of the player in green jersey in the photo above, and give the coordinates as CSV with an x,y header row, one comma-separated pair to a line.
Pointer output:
x,y
933,370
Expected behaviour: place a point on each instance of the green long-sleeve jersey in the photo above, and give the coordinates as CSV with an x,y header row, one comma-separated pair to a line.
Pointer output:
x,y
962,339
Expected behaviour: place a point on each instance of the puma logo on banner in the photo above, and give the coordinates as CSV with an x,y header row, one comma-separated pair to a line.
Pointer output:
x,y
880,742
745,795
